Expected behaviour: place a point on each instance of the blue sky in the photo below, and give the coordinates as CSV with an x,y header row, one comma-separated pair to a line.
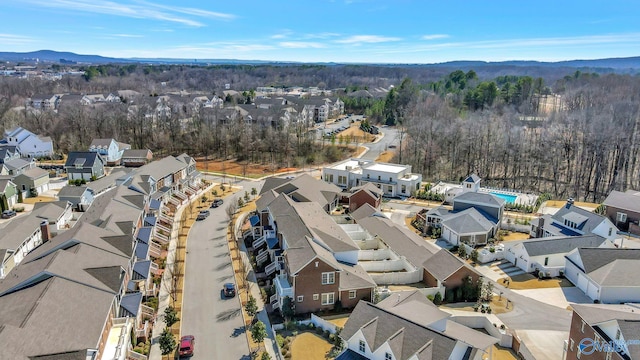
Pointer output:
x,y
398,31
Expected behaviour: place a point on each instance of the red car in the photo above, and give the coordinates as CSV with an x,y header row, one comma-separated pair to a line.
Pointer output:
x,y
187,343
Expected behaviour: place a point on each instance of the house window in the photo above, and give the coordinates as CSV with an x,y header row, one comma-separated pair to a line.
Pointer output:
x,y
546,261
404,189
361,346
390,179
24,187
352,294
618,334
621,217
571,346
368,176
468,186
316,297
608,355
388,356
331,178
378,177
378,185
578,354
328,278
342,180
610,231
582,327
300,298
328,298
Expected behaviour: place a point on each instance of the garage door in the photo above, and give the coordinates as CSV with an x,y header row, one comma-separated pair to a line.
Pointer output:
x,y
592,291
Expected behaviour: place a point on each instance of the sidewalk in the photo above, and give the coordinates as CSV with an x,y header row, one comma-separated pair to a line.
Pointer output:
x,y
164,299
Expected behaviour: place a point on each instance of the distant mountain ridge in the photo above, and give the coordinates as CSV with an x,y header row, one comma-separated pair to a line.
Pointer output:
x,y
627,63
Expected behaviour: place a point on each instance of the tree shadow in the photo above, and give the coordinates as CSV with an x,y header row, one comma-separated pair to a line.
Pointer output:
x,y
228,315
223,265
238,331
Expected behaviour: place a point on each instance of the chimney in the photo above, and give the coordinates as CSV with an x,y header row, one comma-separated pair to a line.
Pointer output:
x,y
44,229
569,202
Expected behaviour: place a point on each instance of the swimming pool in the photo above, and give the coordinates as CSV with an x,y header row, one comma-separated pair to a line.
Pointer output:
x,y
511,199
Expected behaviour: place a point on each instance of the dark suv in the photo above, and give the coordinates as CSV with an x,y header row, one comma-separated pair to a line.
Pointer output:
x,y
216,203
203,214
229,290
7,214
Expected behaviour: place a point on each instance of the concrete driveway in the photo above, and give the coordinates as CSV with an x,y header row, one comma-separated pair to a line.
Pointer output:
x,y
560,297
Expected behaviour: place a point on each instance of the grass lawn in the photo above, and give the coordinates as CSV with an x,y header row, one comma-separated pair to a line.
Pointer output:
x,y
309,346
385,156
338,320
40,198
528,281
515,236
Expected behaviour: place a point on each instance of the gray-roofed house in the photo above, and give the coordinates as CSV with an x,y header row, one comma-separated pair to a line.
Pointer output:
x,y
136,157
572,220
8,193
85,165
606,275
623,209
110,149
32,182
604,323
17,166
474,219
305,188
314,261
409,327
80,197
548,254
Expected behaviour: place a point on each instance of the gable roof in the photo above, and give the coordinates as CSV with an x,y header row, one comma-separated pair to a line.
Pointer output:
x,y
472,178
598,313
559,245
468,221
595,258
136,153
306,188
479,198
407,324
370,188
102,143
72,191
35,173
442,264
587,221
628,200
83,158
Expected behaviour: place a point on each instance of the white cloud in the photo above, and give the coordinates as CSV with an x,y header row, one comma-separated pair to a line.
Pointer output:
x,y
127,35
323,35
301,45
358,39
12,39
144,10
434,36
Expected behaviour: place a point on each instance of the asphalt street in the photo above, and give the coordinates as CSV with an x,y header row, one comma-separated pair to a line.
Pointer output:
x,y
215,321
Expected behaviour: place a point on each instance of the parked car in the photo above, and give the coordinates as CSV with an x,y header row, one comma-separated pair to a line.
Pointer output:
x,y
229,290
7,214
203,214
216,203
187,343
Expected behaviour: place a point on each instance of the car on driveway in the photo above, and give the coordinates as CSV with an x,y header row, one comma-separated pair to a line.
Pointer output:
x,y
203,214
229,290
216,203
7,214
187,343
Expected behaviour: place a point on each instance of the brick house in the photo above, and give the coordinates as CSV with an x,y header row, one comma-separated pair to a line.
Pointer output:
x,y
603,325
623,209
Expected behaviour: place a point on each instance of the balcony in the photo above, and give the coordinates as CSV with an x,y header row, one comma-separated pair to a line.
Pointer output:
x,y
272,268
273,300
261,241
136,356
180,195
147,312
165,218
163,227
144,331
283,288
118,339
262,257
155,250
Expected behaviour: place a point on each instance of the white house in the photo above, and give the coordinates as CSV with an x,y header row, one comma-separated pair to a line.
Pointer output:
x,y
571,220
469,227
548,254
606,275
27,143
110,149
409,327
393,179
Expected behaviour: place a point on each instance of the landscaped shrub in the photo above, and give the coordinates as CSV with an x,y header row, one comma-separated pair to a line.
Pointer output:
x,y
280,340
319,330
284,352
